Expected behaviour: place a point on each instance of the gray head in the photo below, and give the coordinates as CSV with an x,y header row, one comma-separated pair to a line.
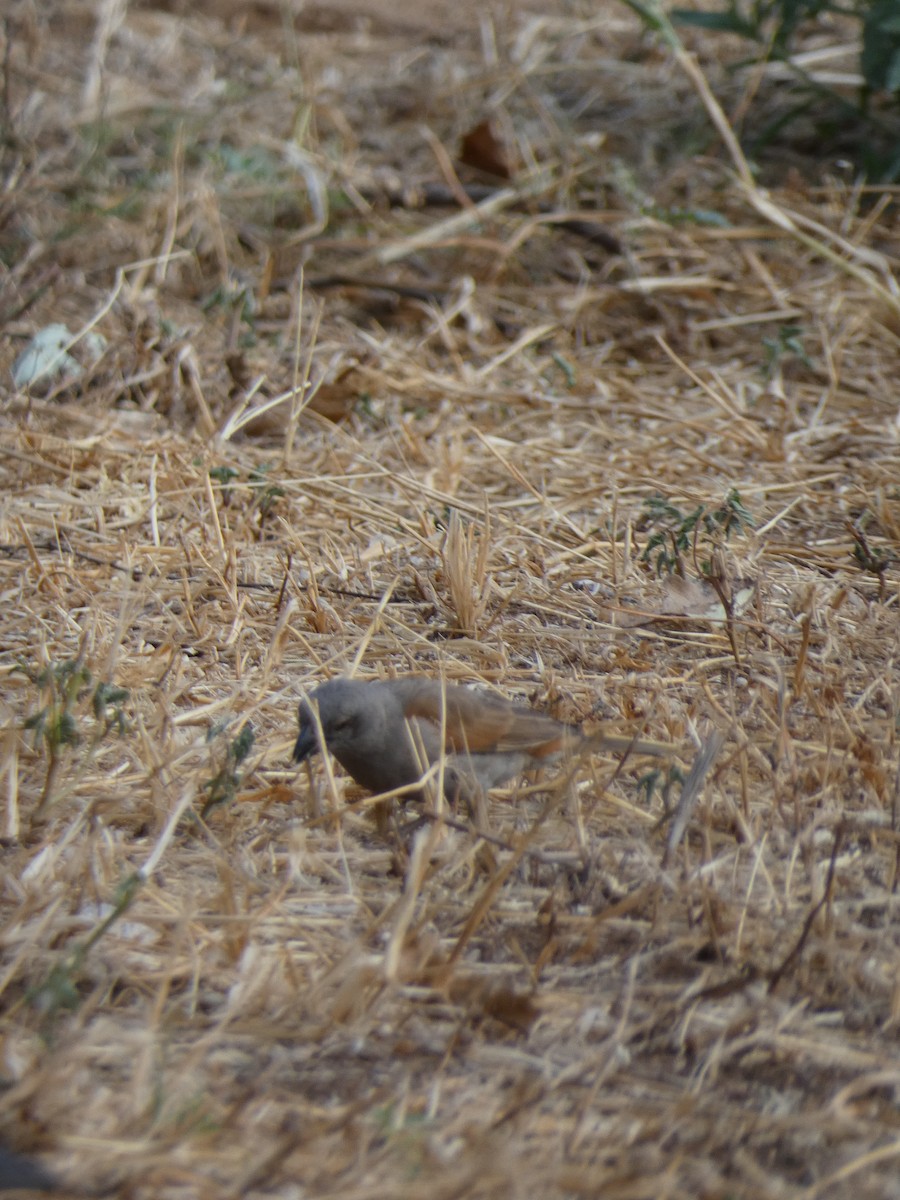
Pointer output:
x,y
343,709
364,726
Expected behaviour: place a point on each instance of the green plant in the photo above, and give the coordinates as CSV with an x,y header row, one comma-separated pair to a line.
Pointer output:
x,y
566,367
872,559
772,24
267,494
675,533
773,30
880,58
222,787
59,991
224,476
785,344
56,724
660,781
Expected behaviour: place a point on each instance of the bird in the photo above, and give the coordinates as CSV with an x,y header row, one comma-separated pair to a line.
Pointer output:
x,y
18,1173
386,733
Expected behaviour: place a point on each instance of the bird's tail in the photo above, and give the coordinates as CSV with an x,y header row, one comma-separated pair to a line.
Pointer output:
x,y
620,743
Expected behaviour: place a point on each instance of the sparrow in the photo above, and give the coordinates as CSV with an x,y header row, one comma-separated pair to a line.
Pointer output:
x,y
387,733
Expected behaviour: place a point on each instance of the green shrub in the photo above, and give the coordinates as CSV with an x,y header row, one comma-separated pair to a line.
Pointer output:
x,y
850,125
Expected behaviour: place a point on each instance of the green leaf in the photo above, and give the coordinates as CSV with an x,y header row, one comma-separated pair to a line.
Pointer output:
x,y
892,78
721,22
242,744
223,475
881,44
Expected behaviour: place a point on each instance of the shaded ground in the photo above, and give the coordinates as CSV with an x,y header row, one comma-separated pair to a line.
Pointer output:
x,y
288,1004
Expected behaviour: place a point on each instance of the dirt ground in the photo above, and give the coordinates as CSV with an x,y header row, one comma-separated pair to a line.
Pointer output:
x,y
450,338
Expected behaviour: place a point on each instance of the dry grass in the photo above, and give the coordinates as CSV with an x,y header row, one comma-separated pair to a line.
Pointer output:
x,y
457,420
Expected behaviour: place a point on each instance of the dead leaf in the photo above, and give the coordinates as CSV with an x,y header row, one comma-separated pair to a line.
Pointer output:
x,y
334,399
681,597
695,598
502,1002
277,794
484,150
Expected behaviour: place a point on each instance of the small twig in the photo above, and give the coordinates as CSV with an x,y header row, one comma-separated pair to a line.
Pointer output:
x,y
716,581
483,904
691,790
405,291
779,972
7,132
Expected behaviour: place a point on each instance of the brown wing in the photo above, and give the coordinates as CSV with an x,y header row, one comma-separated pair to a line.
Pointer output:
x,y
479,722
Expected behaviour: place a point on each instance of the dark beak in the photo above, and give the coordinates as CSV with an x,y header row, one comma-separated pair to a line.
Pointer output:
x,y
20,1173
307,743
